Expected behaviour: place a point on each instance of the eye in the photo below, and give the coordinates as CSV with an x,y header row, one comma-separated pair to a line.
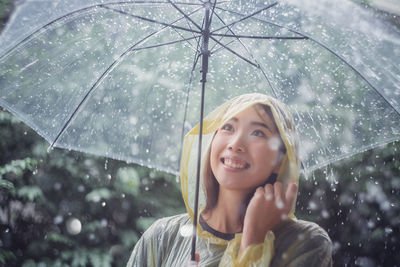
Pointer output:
x,y
227,127
258,133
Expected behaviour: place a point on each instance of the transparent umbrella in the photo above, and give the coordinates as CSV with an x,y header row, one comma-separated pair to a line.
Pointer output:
x,y
125,79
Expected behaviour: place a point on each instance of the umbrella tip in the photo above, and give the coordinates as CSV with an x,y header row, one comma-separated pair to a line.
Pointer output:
x,y
50,148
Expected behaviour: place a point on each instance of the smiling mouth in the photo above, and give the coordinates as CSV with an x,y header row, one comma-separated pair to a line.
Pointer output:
x,y
236,164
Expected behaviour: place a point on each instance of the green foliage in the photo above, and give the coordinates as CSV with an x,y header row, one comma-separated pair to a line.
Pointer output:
x,y
58,238
6,256
41,193
18,167
30,193
357,202
98,195
82,258
6,185
128,181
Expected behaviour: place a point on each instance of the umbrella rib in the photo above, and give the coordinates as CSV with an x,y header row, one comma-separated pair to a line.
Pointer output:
x,y
149,20
184,14
195,60
245,17
356,71
265,21
83,10
108,70
261,37
174,28
164,44
190,27
215,44
248,51
213,11
235,53
183,38
220,48
324,46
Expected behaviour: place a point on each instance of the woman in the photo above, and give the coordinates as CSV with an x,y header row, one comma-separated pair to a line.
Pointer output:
x,y
250,177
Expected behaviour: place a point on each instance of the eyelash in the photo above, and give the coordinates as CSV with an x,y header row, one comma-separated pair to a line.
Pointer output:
x,y
259,132
227,125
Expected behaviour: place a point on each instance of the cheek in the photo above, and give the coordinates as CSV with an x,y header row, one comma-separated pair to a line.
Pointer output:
x,y
266,156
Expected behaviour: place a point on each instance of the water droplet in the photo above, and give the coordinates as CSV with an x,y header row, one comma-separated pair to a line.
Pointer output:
x,y
279,205
325,214
74,226
57,186
186,230
58,219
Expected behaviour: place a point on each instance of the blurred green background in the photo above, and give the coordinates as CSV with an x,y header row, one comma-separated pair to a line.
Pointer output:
x,y
65,208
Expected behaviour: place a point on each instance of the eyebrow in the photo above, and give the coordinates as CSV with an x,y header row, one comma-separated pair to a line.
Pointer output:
x,y
255,123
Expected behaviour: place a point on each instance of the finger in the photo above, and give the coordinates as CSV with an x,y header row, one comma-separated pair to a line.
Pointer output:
x,y
278,191
259,191
197,257
291,193
269,192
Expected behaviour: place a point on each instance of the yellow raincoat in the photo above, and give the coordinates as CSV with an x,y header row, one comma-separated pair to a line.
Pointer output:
x,y
292,243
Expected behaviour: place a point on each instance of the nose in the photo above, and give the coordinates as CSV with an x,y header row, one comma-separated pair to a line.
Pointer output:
x,y
237,143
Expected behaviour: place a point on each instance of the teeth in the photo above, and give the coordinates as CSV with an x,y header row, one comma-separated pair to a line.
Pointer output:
x,y
229,163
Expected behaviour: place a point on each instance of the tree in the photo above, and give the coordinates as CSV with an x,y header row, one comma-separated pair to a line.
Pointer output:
x,y
66,208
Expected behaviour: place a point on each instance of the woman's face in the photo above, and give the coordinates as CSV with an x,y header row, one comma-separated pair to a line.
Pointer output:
x,y
245,151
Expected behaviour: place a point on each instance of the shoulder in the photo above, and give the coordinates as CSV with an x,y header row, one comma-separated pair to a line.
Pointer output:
x,y
157,240
172,220
304,242
301,229
167,226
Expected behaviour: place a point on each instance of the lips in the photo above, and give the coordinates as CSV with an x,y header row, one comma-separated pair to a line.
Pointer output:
x,y
235,163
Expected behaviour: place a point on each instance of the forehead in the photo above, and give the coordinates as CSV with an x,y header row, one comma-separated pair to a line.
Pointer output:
x,y
256,114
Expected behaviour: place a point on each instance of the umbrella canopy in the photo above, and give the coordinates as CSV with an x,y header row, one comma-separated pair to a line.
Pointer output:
x,y
121,79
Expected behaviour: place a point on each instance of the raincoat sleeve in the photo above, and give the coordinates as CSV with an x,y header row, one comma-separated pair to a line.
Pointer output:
x,y
293,244
301,243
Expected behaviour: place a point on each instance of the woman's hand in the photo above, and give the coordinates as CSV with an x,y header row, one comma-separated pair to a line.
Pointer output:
x,y
194,263
267,208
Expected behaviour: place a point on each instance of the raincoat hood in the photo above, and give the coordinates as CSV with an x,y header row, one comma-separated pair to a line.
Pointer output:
x,y
289,170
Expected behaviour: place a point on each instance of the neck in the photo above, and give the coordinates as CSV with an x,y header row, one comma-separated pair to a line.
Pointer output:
x,y
227,215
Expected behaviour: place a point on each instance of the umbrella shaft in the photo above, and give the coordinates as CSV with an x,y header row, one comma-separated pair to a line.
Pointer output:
x,y
204,69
